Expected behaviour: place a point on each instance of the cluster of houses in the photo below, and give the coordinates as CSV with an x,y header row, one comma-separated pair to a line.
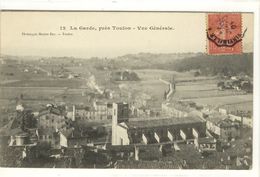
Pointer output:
x,y
182,123
206,133
57,126
96,111
225,125
237,84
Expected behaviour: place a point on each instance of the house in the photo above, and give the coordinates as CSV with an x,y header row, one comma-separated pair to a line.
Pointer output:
x,y
49,136
51,117
159,130
223,127
81,112
206,144
149,131
143,111
178,108
73,137
98,111
239,114
244,117
49,121
156,133
237,84
101,110
17,135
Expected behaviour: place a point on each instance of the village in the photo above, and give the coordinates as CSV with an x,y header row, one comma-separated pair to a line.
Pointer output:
x,y
108,127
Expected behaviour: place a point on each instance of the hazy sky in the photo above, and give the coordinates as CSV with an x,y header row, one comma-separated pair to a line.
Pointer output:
x,y
189,34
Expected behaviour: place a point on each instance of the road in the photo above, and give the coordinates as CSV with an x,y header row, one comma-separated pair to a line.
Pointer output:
x,y
171,91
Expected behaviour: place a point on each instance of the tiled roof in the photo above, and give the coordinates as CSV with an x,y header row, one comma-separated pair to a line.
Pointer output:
x,y
51,110
12,127
216,117
67,132
83,107
206,140
185,106
227,123
11,132
162,122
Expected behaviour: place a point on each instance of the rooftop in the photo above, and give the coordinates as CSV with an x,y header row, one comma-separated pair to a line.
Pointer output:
x,y
185,106
245,107
216,117
206,140
13,127
149,123
51,110
227,123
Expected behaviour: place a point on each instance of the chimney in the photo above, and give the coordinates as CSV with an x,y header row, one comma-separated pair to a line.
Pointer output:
x,y
73,112
114,123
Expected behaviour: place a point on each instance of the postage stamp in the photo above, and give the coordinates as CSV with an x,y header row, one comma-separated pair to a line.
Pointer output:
x,y
224,33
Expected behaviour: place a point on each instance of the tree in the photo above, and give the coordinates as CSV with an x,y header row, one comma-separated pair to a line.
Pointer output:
x,y
28,120
196,74
220,84
247,86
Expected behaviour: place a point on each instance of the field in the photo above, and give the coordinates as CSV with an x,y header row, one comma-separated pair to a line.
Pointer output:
x,y
38,88
75,83
155,74
19,71
244,106
203,90
187,86
242,100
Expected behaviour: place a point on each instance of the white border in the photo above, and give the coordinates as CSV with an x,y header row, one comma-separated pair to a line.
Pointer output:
x,y
133,5
150,5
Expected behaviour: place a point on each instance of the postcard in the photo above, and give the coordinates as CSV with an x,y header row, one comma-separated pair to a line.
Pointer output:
x,y
127,90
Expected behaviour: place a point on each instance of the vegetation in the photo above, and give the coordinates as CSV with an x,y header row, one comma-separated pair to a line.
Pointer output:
x,y
214,65
28,120
203,63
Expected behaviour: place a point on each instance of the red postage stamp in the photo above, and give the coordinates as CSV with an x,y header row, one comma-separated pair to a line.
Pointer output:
x,y
224,33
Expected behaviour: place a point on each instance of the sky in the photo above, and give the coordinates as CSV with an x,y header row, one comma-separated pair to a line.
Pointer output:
x,y
188,34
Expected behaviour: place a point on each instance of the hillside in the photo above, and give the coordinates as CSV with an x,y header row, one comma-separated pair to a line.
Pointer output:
x,y
205,64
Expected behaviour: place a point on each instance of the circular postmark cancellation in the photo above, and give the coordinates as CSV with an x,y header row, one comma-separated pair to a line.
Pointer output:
x,y
224,33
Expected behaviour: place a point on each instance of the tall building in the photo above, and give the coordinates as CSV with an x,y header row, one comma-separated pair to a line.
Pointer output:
x,y
120,114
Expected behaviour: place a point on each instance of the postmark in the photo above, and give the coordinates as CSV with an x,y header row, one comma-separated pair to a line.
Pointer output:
x,y
224,33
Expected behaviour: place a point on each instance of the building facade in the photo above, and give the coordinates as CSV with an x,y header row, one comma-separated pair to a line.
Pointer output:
x,y
49,121
97,111
225,129
151,131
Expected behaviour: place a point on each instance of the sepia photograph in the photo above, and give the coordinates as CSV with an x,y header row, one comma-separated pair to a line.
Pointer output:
x,y
127,90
